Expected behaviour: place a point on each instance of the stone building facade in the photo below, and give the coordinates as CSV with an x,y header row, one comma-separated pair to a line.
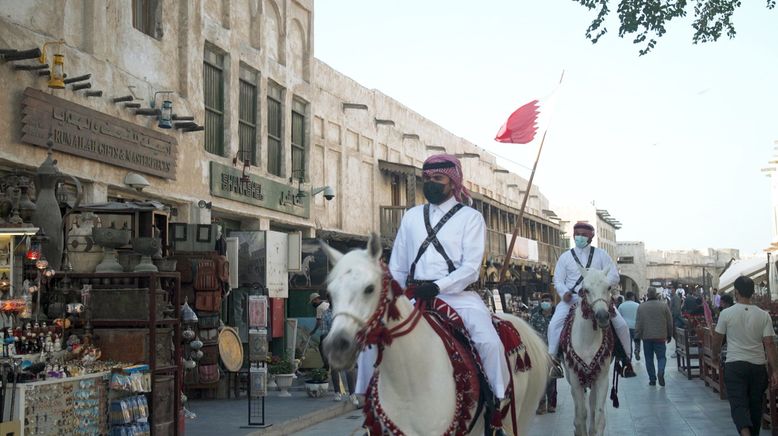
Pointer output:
x,y
259,124
631,262
689,267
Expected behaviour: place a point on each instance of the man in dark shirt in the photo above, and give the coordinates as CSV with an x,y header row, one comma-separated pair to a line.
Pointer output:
x,y
693,304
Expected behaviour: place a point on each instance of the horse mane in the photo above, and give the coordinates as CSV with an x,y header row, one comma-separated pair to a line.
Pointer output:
x,y
596,280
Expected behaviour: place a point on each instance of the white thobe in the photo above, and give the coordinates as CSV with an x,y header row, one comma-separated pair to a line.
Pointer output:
x,y
463,238
566,274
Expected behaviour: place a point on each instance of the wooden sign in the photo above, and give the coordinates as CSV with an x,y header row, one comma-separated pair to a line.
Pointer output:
x,y
84,132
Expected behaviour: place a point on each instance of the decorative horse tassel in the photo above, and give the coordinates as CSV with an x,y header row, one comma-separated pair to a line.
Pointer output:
x,y
519,364
393,313
615,397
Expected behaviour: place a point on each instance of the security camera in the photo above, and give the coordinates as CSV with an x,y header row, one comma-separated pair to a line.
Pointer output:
x,y
329,193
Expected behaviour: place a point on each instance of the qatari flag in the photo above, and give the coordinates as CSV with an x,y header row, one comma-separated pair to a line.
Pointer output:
x,y
527,123
522,125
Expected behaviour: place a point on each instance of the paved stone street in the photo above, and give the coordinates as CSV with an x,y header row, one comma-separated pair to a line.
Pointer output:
x,y
682,408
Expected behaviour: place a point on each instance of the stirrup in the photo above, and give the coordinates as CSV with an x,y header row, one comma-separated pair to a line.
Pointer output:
x,y
556,371
627,371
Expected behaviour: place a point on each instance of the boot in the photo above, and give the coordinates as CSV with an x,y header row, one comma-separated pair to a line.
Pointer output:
x,y
627,371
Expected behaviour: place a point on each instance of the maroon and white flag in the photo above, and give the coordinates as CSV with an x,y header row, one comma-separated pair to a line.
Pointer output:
x,y
522,125
527,123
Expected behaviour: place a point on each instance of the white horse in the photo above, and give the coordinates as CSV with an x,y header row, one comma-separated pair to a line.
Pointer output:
x,y
416,389
587,343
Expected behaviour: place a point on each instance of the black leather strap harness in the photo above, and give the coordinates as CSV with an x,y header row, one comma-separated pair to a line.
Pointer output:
x,y
578,261
432,238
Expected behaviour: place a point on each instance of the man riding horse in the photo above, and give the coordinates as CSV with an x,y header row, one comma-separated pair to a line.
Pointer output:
x,y
438,252
568,282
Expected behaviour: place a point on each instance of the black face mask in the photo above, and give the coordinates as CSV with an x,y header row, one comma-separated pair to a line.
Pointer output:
x,y
315,305
433,192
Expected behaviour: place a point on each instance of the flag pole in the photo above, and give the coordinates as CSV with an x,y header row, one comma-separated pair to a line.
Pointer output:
x,y
520,220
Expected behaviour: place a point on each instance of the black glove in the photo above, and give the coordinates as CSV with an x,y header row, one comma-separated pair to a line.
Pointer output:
x,y
426,291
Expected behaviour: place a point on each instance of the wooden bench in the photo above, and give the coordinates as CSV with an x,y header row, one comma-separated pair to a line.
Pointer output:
x,y
687,350
710,369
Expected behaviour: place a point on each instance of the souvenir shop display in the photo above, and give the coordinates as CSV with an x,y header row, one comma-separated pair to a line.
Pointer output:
x,y
129,406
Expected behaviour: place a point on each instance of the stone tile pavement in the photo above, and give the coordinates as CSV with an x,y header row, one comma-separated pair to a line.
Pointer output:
x,y
682,408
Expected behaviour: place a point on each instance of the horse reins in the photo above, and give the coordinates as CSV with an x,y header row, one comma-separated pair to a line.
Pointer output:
x,y
374,331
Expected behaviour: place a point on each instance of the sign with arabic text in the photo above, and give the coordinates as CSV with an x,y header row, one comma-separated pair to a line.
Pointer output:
x,y
228,182
84,132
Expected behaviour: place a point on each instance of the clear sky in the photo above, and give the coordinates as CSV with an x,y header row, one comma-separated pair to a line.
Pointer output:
x,y
671,143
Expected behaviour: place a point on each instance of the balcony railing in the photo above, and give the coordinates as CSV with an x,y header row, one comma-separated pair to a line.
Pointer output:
x,y
390,220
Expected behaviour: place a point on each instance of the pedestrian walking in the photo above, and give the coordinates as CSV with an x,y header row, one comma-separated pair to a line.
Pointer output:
x,y
654,326
321,307
716,298
629,310
343,381
750,336
539,321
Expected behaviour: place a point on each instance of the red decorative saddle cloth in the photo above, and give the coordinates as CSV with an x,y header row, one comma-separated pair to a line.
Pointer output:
x,y
511,339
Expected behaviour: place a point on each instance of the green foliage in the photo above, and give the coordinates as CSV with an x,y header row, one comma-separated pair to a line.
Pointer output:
x,y
318,375
280,365
647,19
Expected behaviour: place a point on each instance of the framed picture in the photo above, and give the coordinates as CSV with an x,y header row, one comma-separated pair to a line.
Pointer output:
x,y
258,346
258,382
179,231
257,311
203,233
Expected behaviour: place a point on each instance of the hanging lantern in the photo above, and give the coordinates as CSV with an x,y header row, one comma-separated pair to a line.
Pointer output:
x,y
57,73
166,115
33,254
57,68
4,282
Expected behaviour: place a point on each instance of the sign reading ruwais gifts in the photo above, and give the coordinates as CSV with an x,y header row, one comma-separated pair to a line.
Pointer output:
x,y
84,132
226,183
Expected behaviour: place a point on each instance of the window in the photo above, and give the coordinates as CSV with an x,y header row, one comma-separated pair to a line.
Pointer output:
x,y
145,17
213,89
274,129
298,138
395,190
247,116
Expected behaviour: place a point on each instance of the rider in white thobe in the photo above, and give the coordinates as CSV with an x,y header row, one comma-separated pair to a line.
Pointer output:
x,y
566,282
462,238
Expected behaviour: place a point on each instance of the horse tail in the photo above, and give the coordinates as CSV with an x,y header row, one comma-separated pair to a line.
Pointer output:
x,y
529,386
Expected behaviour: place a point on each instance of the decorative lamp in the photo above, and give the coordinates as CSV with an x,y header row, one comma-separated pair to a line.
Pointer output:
x,y
57,74
41,263
166,115
4,282
33,254
57,70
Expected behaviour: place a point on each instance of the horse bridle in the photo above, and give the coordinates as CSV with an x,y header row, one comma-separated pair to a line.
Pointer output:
x,y
587,308
374,331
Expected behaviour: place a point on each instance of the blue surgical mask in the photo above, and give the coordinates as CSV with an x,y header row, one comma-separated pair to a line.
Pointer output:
x,y
545,305
581,241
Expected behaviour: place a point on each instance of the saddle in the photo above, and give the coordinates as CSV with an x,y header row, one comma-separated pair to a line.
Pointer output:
x,y
447,323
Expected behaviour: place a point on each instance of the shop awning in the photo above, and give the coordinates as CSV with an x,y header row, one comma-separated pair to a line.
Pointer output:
x,y
397,168
753,268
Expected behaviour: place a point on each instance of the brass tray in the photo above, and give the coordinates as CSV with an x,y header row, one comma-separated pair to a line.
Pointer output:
x,y
230,349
